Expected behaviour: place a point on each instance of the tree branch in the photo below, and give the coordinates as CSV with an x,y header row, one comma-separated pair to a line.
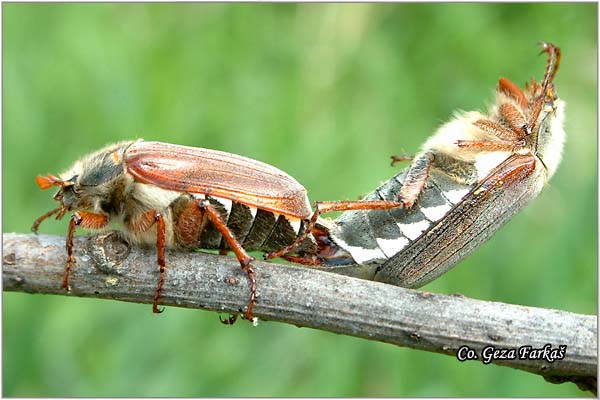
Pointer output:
x,y
107,267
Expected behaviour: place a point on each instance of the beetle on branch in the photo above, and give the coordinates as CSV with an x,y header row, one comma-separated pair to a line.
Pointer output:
x,y
471,176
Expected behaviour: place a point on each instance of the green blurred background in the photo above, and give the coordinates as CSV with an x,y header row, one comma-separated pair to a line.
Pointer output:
x,y
326,92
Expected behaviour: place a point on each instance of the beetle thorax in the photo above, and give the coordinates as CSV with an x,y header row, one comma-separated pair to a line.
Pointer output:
x,y
95,180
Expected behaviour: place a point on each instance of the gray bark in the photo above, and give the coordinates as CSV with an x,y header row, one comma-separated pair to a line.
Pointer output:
x,y
107,267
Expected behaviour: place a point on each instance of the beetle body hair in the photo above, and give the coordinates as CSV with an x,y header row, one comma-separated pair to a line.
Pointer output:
x,y
551,140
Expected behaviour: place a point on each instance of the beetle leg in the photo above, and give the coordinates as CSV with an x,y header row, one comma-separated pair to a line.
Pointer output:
x,y
491,145
160,251
514,169
400,158
75,220
37,222
141,223
189,224
322,207
411,189
516,120
551,69
553,61
85,220
304,259
498,130
243,257
415,180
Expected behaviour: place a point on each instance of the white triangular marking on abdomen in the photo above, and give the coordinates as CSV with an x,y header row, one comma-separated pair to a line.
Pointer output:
x,y
253,211
456,195
391,247
414,230
360,254
226,203
295,224
435,213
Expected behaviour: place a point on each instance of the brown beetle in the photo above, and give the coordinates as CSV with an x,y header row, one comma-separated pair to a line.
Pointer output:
x,y
186,197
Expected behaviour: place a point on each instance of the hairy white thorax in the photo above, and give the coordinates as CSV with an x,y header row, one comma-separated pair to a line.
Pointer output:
x,y
550,146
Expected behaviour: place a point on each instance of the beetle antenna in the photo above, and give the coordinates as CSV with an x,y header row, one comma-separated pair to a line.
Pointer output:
x,y
46,182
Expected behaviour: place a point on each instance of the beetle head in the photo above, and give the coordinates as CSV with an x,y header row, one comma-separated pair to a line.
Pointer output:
x,y
69,194
87,184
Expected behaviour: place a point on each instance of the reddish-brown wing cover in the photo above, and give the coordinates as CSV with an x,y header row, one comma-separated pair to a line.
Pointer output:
x,y
216,173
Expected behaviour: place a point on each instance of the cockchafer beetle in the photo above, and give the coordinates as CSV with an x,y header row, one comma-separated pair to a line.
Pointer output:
x,y
472,175
185,197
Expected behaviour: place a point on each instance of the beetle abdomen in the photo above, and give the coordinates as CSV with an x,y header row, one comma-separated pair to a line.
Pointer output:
x,y
472,221
373,236
254,228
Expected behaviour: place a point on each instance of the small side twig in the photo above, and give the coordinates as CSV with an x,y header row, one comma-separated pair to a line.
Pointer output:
x,y
107,267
